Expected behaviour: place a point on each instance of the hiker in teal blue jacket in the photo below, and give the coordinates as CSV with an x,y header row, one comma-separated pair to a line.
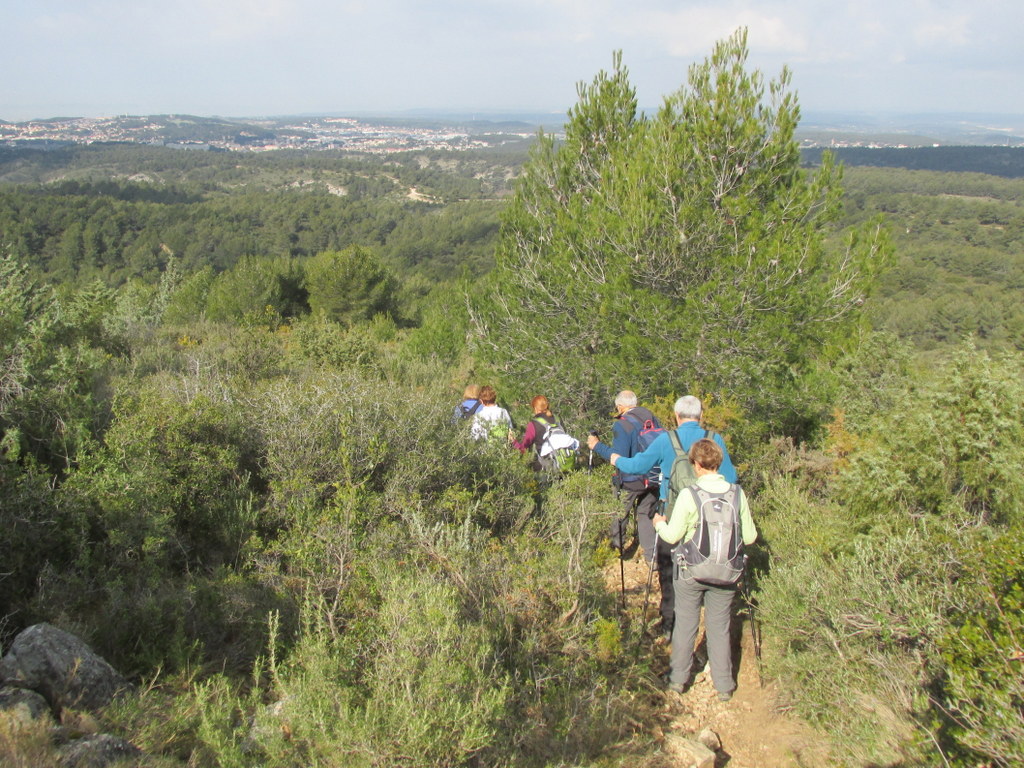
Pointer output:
x,y
688,411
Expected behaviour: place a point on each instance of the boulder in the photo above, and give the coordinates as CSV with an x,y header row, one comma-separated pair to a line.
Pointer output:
x,y
97,751
61,668
710,740
24,705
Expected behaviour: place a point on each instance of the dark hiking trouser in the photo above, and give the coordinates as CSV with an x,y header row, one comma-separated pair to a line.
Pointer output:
x,y
717,601
645,503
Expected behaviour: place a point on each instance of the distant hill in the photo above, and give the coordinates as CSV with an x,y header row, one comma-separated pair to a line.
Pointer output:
x,y
1007,162
911,130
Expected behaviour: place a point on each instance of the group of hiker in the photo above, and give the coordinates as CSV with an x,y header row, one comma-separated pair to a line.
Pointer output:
x,y
680,487
692,520
554,451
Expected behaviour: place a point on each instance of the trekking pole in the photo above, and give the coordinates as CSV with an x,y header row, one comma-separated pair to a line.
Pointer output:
x,y
755,635
647,593
622,566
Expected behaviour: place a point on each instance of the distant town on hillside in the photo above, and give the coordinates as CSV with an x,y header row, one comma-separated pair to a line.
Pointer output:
x,y
423,130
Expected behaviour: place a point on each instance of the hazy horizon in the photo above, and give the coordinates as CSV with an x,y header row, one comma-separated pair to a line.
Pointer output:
x,y
527,115
95,58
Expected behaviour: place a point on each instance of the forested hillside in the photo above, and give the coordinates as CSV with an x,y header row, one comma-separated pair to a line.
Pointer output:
x,y
959,238
117,214
1007,162
228,461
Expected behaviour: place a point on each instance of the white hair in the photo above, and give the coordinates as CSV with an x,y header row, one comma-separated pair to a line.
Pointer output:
x,y
688,407
626,398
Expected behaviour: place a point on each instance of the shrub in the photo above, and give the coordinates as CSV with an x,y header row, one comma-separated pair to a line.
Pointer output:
x,y
167,499
898,572
349,286
318,429
954,450
982,652
851,636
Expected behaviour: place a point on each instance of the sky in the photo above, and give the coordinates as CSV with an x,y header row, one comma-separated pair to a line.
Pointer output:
x,y
254,58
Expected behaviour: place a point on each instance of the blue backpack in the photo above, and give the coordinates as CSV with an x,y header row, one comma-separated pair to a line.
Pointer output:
x,y
647,431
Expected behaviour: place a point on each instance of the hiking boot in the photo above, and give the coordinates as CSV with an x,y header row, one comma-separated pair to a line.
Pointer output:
x,y
665,631
674,687
724,695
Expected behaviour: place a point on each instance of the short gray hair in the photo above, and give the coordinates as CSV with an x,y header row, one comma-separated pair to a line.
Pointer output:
x,y
626,398
688,407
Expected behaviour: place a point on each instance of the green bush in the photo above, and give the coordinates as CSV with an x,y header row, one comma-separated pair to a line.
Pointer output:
x,y
896,569
55,358
982,653
166,501
38,531
954,450
349,286
329,343
851,635
316,429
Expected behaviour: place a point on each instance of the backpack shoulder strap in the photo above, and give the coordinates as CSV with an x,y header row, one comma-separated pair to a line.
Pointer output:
x,y
631,419
733,495
546,428
695,491
677,446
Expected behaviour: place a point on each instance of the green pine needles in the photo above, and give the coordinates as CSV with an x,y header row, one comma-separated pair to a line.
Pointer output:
x,y
686,247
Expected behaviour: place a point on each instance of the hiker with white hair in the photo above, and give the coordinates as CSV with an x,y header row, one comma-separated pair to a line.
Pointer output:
x,y
664,451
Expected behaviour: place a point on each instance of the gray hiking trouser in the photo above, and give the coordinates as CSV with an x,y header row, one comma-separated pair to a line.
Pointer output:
x,y
644,503
717,601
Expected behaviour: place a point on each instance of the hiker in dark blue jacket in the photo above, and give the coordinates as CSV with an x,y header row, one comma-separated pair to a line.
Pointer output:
x,y
634,428
640,492
688,410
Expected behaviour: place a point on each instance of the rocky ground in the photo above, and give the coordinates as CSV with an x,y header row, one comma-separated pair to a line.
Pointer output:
x,y
751,729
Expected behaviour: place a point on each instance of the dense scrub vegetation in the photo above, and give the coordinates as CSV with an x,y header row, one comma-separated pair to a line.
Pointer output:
x,y
227,457
960,240
995,161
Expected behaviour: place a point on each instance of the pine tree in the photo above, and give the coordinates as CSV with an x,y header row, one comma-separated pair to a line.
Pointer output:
x,y
349,286
676,252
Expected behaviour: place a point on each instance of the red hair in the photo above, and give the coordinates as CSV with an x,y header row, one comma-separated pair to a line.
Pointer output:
x,y
488,395
540,405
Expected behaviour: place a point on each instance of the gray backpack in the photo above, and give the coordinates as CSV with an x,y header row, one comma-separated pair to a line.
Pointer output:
x,y
714,554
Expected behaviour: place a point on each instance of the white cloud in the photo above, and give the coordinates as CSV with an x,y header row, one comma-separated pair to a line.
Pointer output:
x,y
951,30
307,55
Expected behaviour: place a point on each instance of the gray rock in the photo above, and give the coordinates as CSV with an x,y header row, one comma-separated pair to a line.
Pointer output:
x,y
25,705
687,753
97,751
61,667
710,740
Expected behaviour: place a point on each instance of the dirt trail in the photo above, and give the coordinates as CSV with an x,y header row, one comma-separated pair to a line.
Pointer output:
x,y
752,730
